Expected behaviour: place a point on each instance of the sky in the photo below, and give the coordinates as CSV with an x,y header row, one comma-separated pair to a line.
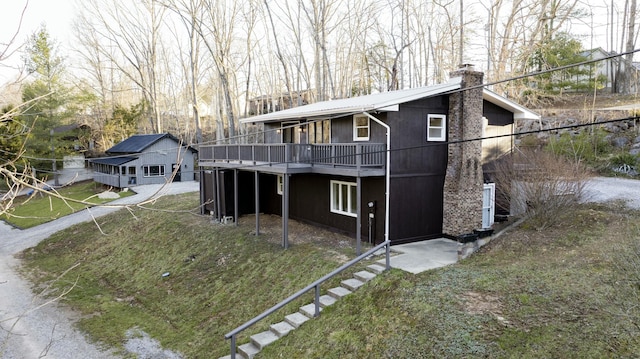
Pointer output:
x,y
56,14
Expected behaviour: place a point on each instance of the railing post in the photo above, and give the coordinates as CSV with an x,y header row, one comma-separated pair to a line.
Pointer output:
x,y
333,155
287,152
317,301
233,347
358,156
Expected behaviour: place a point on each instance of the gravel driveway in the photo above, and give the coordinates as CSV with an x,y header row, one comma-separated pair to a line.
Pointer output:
x,y
30,327
606,189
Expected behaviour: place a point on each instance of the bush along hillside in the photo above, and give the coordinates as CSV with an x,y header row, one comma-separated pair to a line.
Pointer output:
x,y
611,149
570,291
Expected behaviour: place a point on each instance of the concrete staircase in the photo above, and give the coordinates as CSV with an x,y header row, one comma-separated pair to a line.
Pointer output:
x,y
306,312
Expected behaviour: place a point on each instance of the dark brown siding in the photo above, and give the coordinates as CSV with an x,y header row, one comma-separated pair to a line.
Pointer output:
x,y
271,134
496,115
270,201
342,130
417,172
309,202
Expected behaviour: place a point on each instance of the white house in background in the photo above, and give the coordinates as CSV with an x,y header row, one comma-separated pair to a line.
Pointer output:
x,y
608,67
145,159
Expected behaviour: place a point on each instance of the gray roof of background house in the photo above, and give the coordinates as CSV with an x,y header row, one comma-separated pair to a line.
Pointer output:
x,y
138,143
384,101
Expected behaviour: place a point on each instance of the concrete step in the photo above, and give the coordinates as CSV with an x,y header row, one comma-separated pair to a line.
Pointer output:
x,y
339,292
326,300
376,268
296,319
238,356
248,351
263,339
281,329
351,284
309,310
364,276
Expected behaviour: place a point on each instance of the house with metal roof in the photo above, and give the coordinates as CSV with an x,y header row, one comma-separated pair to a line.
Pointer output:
x,y
403,165
145,159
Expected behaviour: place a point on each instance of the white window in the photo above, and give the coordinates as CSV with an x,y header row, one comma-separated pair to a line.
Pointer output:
x,y
280,185
436,128
153,170
343,198
360,128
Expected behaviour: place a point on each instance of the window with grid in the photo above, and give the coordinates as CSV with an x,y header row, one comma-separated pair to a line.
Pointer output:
x,y
153,170
436,128
360,128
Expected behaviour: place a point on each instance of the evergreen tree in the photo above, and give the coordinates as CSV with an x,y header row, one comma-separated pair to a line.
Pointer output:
x,y
561,50
48,99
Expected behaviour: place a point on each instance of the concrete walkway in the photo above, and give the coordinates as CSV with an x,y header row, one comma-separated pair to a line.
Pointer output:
x,y
422,256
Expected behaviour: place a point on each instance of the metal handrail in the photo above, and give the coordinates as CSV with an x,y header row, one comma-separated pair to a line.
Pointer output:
x,y
232,334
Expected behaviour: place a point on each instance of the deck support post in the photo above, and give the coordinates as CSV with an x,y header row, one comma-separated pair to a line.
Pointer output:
x,y
285,211
358,215
257,193
235,196
217,182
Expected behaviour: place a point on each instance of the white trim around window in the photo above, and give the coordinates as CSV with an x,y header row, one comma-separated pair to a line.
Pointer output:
x,y
344,198
361,128
153,170
436,127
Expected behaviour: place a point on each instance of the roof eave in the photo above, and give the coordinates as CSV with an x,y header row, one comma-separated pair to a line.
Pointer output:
x,y
299,113
519,112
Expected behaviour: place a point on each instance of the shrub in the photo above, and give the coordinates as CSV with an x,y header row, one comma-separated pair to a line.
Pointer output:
x,y
540,184
583,147
624,158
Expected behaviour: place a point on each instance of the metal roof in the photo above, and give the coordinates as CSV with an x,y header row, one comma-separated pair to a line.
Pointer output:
x,y
113,161
138,143
384,101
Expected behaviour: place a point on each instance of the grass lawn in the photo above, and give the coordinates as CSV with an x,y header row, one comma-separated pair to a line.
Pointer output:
x,y
30,211
219,276
568,292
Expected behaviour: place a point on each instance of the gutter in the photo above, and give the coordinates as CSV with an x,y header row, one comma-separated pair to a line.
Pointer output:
x,y
387,171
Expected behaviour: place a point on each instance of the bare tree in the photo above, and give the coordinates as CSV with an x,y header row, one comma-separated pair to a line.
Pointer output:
x,y
218,28
190,13
130,39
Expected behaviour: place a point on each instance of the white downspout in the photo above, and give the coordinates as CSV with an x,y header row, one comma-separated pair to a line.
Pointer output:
x,y
387,185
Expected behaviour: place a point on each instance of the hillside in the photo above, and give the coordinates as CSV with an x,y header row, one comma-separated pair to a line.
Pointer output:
x,y
570,291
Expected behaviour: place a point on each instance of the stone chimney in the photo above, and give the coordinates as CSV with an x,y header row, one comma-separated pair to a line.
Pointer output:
x,y
463,184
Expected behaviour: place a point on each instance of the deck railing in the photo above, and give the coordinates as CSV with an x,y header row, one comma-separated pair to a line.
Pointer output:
x,y
343,154
315,285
